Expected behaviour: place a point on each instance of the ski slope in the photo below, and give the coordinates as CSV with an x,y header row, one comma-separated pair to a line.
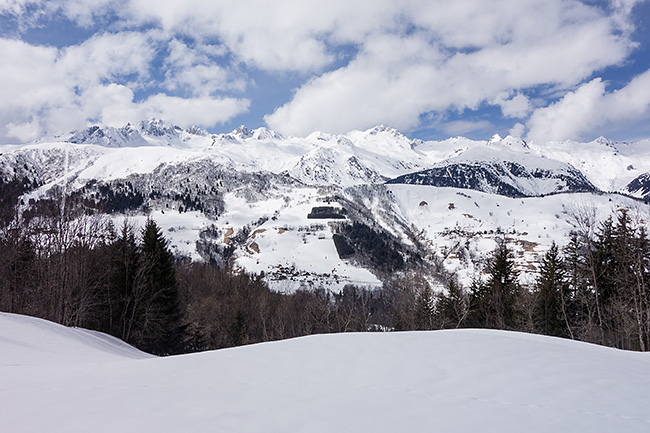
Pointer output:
x,y
57,379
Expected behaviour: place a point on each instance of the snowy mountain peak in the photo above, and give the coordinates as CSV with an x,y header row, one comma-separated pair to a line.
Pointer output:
x,y
602,141
158,128
515,142
263,133
383,128
319,136
242,134
496,138
391,134
196,130
146,133
126,136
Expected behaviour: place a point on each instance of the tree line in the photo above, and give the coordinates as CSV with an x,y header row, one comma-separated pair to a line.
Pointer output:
x,y
82,270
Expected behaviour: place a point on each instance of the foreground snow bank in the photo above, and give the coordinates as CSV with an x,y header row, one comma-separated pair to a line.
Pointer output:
x,y
26,340
466,380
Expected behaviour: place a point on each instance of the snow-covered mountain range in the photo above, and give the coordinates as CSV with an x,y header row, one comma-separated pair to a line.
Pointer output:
x,y
283,203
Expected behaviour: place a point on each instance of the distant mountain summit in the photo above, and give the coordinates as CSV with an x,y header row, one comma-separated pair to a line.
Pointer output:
x,y
128,135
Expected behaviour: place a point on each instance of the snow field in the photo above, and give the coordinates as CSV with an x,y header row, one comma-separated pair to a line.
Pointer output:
x,y
452,381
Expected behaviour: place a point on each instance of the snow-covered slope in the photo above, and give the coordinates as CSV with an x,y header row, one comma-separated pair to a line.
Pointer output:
x,y
452,381
461,227
26,341
640,186
609,165
499,170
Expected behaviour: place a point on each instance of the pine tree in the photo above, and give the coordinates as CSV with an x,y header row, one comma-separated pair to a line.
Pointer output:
x,y
454,305
159,318
121,299
551,295
641,292
495,301
580,303
424,309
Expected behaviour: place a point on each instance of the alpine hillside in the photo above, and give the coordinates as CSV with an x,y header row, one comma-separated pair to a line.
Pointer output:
x,y
324,211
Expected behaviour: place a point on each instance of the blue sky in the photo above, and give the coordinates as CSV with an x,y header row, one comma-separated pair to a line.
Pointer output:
x,y
539,69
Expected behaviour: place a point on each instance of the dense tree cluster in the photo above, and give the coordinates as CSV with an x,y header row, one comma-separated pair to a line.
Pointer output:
x,y
83,272
597,289
602,284
376,247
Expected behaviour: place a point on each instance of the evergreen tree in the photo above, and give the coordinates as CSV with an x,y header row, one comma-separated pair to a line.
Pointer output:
x,y
159,316
453,306
424,309
641,292
121,299
551,295
495,301
579,304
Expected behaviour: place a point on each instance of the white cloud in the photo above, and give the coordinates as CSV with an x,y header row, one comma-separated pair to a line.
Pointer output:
x,y
460,127
468,53
194,70
201,111
28,76
50,91
281,35
370,62
517,130
107,57
590,109
17,7
382,85
24,132
113,105
84,12
515,106
622,9
569,117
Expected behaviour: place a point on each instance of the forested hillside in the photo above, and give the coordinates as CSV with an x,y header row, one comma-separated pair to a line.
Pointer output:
x,y
80,269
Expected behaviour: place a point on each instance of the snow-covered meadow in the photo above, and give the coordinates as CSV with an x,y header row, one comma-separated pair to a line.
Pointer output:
x,y
58,379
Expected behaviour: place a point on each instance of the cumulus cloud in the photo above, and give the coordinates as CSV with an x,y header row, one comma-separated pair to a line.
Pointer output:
x,y
29,78
43,87
517,130
202,111
269,35
376,87
591,108
113,105
516,106
358,63
194,70
466,54
108,57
